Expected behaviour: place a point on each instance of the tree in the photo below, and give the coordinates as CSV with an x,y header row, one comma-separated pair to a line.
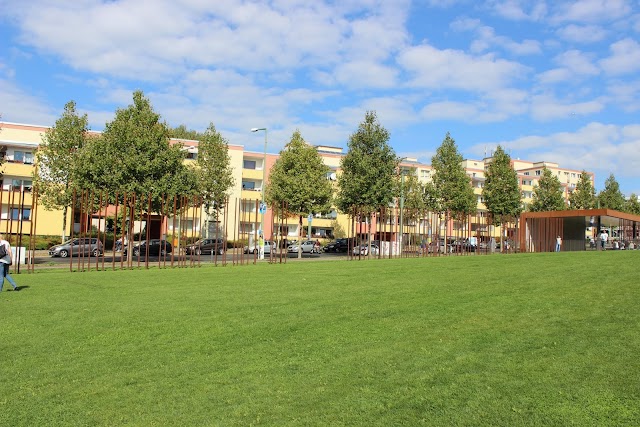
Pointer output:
x,y
584,195
501,192
368,170
56,160
632,205
134,156
181,132
411,197
451,183
214,171
547,195
611,197
299,178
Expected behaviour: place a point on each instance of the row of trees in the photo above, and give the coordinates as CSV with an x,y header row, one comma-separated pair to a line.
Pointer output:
x,y
134,154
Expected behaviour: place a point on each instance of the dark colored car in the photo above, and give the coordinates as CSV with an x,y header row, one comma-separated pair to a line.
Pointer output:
x,y
84,245
338,245
206,247
154,247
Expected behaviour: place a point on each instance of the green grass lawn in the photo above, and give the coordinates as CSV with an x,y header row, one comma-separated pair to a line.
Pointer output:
x,y
519,340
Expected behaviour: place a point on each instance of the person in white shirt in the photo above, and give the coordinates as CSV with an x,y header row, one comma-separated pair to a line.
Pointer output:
x,y
5,262
558,243
604,236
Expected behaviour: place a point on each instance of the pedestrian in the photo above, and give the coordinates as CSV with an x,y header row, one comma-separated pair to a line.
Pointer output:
x,y
558,243
603,239
6,261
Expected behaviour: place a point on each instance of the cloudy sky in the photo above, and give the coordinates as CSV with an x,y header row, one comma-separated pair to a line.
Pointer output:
x,y
548,80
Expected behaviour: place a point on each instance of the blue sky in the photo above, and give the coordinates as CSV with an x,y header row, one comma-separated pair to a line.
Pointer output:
x,y
548,80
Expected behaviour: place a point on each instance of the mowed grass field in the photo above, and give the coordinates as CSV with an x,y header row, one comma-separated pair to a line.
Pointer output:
x,y
518,340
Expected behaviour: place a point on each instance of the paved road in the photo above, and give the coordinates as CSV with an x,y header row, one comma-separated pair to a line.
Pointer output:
x,y
43,258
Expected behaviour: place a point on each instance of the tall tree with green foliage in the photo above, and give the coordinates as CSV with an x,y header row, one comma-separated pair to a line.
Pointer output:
x,y
299,179
215,175
56,161
369,169
501,192
584,195
134,155
182,132
452,185
611,197
412,192
632,205
548,194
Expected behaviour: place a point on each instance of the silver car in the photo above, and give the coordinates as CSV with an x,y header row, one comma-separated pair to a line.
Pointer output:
x,y
253,248
308,246
84,245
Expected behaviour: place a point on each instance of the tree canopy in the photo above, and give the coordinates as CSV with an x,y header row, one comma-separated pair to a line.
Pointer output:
x,y
452,185
547,195
368,169
134,155
611,197
501,192
56,160
299,178
584,195
214,169
632,205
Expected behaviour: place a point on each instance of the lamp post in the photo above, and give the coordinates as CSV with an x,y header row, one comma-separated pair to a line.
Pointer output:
x,y
401,212
264,182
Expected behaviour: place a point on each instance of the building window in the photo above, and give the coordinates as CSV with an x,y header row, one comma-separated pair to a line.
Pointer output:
x,y
526,173
18,184
15,214
573,175
23,157
538,172
248,185
249,164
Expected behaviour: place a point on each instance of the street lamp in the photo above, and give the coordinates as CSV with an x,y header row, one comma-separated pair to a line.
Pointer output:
x,y
264,182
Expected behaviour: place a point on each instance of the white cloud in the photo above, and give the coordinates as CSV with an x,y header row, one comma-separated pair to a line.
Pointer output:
x,y
625,95
454,69
519,10
624,59
162,39
488,38
592,10
601,148
20,106
547,108
582,33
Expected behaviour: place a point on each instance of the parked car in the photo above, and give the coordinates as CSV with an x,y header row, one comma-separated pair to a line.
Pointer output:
x,y
338,245
83,245
438,246
463,246
154,248
364,249
253,248
308,246
206,247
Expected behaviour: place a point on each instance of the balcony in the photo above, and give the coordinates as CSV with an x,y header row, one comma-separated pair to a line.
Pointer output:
x,y
252,174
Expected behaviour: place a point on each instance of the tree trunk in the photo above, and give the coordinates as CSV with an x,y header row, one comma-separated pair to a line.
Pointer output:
x,y
64,224
300,238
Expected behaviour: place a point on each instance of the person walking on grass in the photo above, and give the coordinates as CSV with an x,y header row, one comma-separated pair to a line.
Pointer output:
x,y
5,262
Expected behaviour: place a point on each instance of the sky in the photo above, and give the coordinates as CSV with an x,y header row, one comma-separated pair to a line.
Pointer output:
x,y
553,81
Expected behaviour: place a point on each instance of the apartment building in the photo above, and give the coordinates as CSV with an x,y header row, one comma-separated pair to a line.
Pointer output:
x,y
18,143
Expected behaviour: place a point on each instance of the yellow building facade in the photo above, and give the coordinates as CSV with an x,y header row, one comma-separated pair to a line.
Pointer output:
x,y
19,142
